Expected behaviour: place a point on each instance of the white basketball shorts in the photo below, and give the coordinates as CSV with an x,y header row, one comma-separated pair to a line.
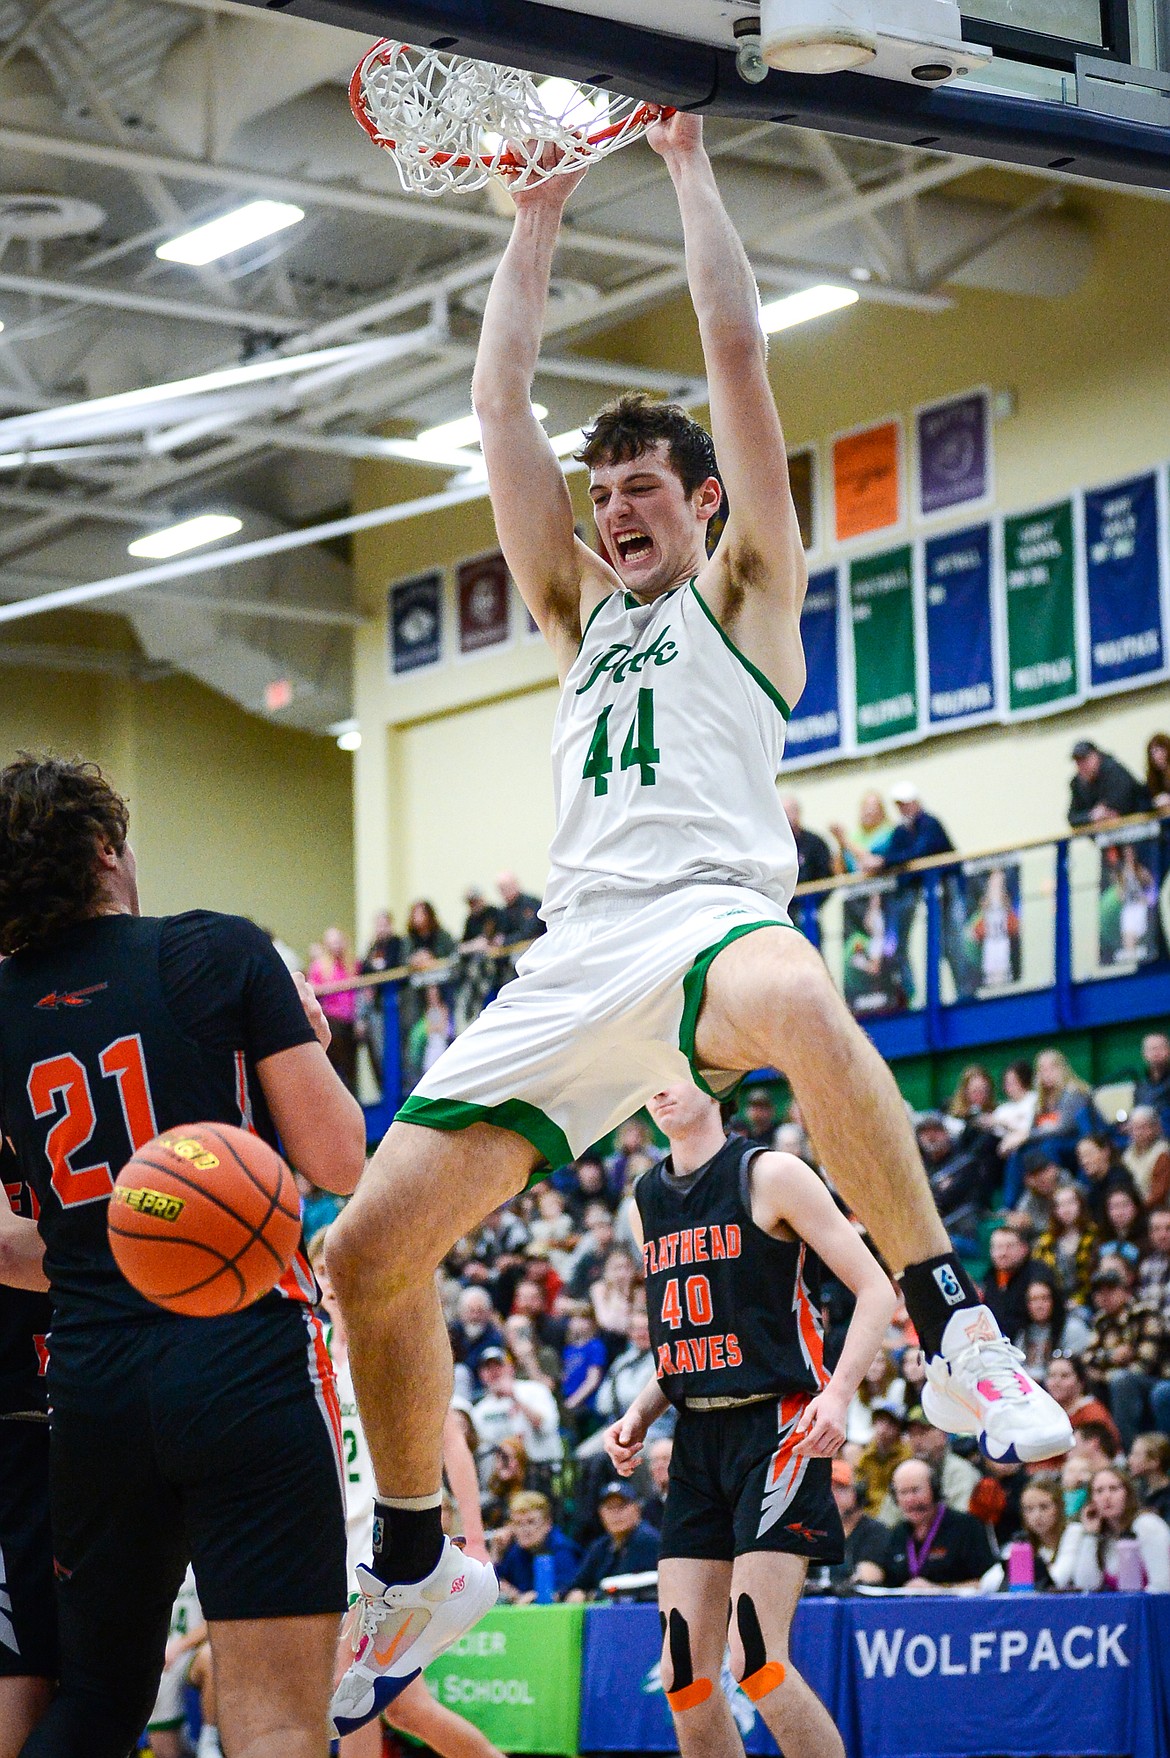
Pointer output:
x,y
600,1015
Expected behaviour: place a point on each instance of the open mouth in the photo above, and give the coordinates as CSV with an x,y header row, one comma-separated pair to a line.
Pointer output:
x,y
631,545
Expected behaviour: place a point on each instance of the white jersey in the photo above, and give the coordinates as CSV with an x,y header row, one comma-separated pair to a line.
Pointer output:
x,y
360,1488
666,748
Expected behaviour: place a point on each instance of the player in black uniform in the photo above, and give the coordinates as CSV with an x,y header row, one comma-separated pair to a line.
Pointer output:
x,y
172,1439
28,1613
732,1290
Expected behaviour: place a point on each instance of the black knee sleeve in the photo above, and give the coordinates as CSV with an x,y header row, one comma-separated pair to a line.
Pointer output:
x,y
686,1691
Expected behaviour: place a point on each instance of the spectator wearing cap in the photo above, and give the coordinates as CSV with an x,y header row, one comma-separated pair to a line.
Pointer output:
x,y
515,1407
481,928
867,1541
1129,1354
1005,1288
917,836
933,1547
957,1476
628,1545
880,1457
531,1533
1102,788
959,1173
1147,1158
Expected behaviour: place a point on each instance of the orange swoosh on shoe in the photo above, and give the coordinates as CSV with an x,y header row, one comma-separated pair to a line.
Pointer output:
x,y
384,1656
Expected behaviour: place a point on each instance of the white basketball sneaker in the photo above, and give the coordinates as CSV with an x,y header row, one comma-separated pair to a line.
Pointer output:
x,y
978,1386
400,1630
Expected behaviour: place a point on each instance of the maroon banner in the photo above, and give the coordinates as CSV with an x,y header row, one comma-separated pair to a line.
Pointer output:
x,y
483,591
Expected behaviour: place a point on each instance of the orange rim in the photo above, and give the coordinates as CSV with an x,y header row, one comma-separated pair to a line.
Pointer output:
x,y
639,118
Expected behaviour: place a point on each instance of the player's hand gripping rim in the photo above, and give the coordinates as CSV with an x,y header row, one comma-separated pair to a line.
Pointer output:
x,y
822,1427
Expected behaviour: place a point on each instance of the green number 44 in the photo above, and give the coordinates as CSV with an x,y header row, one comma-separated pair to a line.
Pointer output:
x,y
639,751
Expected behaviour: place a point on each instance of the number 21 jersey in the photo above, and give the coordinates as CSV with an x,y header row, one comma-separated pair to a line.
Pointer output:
x,y
666,748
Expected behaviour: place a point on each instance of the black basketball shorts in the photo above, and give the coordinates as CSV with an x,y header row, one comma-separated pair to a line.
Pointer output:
x,y
737,1485
214,1441
28,1609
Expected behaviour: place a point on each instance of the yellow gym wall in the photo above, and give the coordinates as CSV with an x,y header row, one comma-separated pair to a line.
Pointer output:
x,y
453,776
227,811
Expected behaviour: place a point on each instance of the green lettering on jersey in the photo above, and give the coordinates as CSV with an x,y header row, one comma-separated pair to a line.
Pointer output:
x,y
639,751
619,660
598,762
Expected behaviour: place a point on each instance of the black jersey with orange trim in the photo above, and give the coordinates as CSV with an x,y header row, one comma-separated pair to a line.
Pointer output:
x,y
124,1027
24,1317
733,1311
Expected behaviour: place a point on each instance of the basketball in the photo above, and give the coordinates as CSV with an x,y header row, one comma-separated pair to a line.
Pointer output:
x,y
204,1219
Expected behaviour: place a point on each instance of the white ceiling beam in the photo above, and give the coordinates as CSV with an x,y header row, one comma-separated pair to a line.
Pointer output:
x,y
29,584
53,656
152,304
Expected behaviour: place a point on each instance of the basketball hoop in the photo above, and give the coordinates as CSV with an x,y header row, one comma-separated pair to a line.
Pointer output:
x,y
450,122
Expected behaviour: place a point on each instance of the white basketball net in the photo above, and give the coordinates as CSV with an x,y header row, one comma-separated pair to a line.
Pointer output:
x,y
451,123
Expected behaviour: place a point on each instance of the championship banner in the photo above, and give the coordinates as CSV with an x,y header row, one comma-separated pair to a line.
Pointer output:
x,y
415,622
1123,575
483,596
952,454
623,1706
1040,576
517,1677
1005,1673
885,666
814,730
959,646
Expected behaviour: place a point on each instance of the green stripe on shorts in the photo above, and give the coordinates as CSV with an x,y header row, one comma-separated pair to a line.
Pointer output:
x,y
518,1115
693,985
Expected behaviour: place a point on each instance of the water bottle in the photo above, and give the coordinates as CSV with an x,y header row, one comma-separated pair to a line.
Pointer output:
x,y
544,1579
1131,1575
1021,1568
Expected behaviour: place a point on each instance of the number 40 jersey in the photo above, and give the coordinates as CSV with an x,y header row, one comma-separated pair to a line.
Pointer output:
x,y
666,748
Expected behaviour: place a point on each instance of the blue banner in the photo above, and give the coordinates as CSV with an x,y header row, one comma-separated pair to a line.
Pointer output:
x,y
623,1708
1127,634
815,726
959,643
415,622
1012,1674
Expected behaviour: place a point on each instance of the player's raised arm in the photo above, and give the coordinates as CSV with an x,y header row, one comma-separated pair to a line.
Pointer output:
x,y
530,498
756,581
787,1193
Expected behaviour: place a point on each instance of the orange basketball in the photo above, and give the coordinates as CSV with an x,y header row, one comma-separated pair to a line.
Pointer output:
x,y
204,1219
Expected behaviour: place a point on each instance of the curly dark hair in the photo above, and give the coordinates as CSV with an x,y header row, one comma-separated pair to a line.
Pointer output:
x,y
635,422
53,815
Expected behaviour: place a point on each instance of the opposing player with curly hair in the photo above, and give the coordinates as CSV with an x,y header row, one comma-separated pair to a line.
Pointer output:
x,y
172,1440
54,816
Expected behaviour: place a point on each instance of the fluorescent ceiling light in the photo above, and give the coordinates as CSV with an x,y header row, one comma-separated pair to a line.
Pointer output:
x,y
798,308
453,436
257,219
349,741
565,444
157,546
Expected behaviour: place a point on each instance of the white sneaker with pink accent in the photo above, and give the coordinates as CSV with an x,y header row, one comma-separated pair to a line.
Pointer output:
x,y
978,1385
400,1629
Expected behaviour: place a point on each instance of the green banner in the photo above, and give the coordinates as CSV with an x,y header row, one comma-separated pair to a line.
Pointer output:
x,y
885,670
517,1677
1040,574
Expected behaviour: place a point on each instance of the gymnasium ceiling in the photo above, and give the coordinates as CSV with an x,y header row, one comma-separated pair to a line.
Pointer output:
x,y
125,122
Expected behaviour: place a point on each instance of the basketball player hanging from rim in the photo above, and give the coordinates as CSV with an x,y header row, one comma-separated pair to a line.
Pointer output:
x,y
671,870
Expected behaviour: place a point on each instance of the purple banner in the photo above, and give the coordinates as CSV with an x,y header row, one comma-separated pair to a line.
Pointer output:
x,y
953,453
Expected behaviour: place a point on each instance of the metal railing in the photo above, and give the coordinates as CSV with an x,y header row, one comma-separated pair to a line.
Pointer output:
x,y
1081,924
